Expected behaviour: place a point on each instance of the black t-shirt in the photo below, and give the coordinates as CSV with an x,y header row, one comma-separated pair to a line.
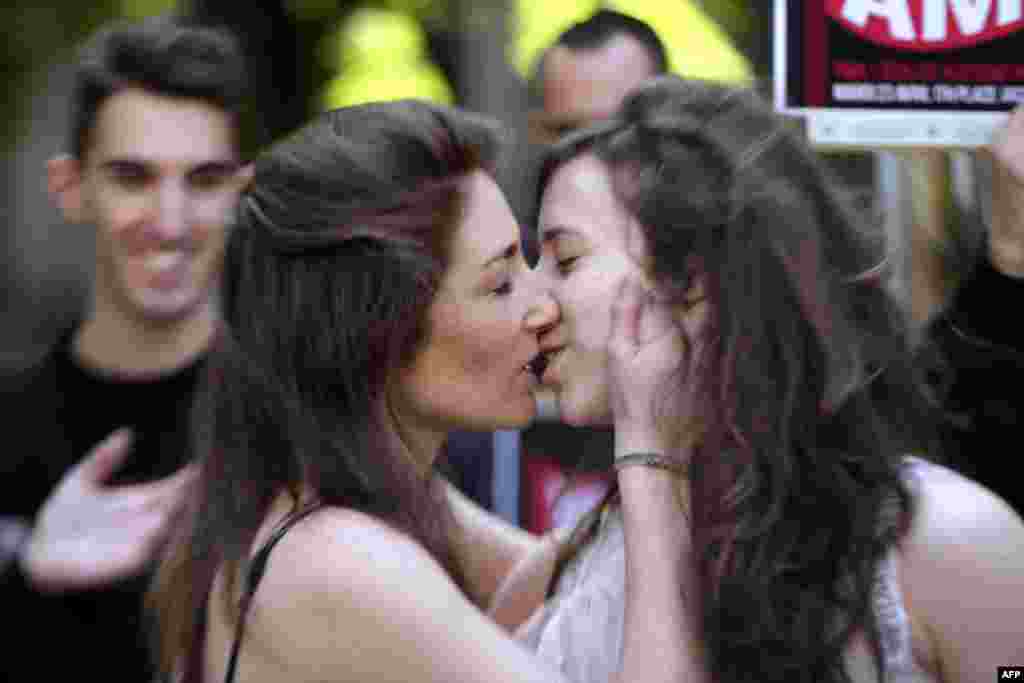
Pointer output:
x,y
982,343
156,408
57,411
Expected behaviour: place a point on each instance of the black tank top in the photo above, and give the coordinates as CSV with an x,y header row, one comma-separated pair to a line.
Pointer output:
x,y
253,576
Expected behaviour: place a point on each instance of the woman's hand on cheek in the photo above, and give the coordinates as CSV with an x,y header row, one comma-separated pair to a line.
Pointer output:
x,y
644,350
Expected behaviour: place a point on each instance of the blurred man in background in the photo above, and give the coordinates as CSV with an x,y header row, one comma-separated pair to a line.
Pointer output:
x,y
585,75
101,466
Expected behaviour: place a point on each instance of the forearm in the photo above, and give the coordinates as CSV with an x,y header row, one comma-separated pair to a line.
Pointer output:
x,y
489,548
525,588
661,641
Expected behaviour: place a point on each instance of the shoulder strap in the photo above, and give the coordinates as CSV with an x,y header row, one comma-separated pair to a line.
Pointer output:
x,y
254,574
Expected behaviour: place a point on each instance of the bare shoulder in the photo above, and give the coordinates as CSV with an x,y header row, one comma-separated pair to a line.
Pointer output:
x,y
342,554
963,573
348,598
957,513
338,583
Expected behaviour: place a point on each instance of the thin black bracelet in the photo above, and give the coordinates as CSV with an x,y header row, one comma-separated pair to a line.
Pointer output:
x,y
651,459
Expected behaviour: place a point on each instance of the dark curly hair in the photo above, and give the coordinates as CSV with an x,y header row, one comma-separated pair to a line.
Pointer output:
x,y
809,392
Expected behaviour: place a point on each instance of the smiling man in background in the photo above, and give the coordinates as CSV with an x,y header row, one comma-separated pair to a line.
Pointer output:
x,y
91,491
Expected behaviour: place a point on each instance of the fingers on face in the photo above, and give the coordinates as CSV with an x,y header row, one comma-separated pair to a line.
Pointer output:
x,y
636,249
625,316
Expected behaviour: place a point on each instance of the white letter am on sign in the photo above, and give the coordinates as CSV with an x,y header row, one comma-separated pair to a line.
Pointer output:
x,y
971,16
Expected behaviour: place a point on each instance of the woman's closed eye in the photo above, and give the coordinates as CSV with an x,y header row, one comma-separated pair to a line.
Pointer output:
x,y
565,265
504,288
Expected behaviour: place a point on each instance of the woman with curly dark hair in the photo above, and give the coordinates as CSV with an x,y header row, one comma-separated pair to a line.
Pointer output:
x,y
824,546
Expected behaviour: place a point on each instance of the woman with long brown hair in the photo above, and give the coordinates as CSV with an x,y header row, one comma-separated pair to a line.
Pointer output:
x,y
825,546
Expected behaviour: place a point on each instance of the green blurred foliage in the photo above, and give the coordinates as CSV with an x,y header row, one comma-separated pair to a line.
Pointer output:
x,y
311,10
380,54
36,33
138,9
736,17
421,9
289,39
749,25
31,35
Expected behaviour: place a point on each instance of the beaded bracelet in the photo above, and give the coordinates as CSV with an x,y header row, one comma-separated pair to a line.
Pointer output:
x,y
658,460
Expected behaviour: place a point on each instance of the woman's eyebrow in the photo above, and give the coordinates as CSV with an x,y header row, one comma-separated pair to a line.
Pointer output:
x,y
505,254
553,233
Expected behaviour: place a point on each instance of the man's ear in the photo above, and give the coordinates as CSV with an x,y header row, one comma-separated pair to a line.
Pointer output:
x,y
64,182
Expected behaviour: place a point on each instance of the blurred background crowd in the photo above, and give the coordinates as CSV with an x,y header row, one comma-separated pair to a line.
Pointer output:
x,y
307,55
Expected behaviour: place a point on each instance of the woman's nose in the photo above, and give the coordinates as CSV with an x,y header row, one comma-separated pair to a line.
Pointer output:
x,y
544,311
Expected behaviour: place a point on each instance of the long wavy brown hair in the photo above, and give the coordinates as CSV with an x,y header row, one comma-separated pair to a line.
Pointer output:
x,y
339,248
810,396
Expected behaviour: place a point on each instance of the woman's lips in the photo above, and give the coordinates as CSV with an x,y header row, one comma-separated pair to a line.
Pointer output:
x,y
550,359
537,365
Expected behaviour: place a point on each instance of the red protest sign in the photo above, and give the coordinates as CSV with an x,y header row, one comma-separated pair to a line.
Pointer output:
x,y
899,72
928,25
